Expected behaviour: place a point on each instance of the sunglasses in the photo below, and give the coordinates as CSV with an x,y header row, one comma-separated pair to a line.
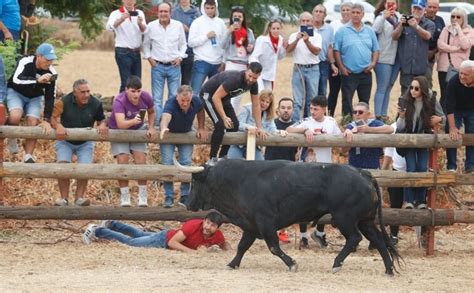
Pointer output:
x,y
237,7
416,88
358,112
456,16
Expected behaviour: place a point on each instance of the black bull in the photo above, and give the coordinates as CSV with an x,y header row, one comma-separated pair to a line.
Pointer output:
x,y
262,197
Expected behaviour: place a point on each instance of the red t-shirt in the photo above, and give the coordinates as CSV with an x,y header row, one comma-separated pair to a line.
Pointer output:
x,y
192,229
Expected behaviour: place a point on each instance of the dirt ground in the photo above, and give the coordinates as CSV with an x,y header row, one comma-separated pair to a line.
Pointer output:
x,y
30,264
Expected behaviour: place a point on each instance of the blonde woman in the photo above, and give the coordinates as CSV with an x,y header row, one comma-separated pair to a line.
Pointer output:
x,y
247,123
454,46
269,48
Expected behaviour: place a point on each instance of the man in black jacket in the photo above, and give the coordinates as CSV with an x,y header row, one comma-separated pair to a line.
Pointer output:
x,y
32,84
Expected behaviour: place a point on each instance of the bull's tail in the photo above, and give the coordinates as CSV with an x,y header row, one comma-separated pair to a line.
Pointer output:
x,y
392,250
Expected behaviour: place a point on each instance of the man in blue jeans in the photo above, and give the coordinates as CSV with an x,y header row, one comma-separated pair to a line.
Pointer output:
x,y
460,110
192,235
165,48
178,117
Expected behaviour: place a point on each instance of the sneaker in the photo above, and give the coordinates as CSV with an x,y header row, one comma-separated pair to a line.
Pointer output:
x,y
182,201
304,243
321,240
421,206
212,161
61,202
283,236
30,160
452,170
125,200
409,205
82,202
143,200
89,234
394,240
168,203
12,146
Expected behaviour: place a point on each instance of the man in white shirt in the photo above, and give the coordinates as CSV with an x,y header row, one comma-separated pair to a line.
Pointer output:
x,y
128,24
165,48
205,37
317,124
305,79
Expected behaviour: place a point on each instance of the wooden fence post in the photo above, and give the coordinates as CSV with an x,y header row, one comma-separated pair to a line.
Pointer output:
x,y
2,150
251,144
431,199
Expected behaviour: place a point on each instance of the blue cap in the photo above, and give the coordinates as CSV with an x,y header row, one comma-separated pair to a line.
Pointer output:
x,y
419,3
47,51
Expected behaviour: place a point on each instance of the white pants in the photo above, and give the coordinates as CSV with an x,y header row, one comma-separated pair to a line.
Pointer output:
x,y
264,84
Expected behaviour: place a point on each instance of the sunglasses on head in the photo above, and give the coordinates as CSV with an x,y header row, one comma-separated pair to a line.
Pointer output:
x,y
358,112
237,7
416,88
456,16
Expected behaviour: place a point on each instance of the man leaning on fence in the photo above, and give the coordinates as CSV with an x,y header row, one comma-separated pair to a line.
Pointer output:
x,y
178,116
77,109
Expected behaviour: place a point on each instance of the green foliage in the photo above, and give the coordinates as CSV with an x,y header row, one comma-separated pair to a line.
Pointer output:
x,y
9,52
40,34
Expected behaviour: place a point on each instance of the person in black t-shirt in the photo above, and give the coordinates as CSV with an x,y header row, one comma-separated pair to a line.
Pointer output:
x,y
216,94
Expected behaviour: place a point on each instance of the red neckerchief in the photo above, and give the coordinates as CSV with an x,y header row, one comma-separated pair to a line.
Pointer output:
x,y
240,36
123,10
274,41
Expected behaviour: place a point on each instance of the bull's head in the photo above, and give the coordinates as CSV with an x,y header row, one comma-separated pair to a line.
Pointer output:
x,y
199,196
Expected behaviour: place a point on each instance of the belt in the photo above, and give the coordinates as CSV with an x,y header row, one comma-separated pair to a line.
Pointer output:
x,y
164,63
306,65
130,49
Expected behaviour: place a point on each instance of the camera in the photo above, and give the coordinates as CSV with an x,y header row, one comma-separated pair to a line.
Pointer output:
x,y
236,20
407,18
307,29
53,77
359,123
133,13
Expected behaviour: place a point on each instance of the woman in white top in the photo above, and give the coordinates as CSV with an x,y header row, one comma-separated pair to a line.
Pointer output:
x,y
269,48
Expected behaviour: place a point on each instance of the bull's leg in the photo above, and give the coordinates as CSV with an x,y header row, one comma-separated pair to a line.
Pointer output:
x,y
353,237
273,245
245,242
375,237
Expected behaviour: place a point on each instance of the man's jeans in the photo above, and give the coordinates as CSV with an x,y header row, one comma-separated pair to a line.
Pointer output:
x,y
3,81
362,82
129,63
132,236
324,73
460,117
185,152
417,161
201,70
385,75
305,81
160,73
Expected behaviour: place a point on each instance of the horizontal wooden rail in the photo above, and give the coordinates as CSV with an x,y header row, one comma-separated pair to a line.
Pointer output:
x,y
171,173
239,138
390,216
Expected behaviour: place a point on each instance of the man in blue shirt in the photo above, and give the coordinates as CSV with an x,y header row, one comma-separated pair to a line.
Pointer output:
x,y
178,116
356,51
10,21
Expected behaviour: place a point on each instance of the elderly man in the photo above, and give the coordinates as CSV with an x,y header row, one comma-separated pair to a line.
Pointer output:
x,y
33,81
164,47
128,24
76,110
460,110
305,46
357,51
432,7
413,35
178,117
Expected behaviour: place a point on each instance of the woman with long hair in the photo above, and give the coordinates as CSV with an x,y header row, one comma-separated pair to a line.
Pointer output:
x,y
269,48
454,46
238,44
419,112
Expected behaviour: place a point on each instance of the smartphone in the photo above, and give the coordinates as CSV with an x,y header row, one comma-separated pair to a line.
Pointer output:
x,y
402,103
391,6
307,29
53,77
133,13
236,20
359,122
142,114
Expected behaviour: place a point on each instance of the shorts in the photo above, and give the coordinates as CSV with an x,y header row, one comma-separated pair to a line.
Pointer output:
x,y
31,107
127,147
84,151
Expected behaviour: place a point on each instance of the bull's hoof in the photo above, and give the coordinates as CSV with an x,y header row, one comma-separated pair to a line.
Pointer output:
x,y
389,273
293,268
229,267
336,269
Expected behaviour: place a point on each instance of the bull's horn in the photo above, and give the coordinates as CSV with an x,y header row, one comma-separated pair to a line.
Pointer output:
x,y
187,169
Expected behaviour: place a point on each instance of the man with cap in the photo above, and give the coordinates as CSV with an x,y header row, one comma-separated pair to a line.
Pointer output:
x,y
33,81
413,34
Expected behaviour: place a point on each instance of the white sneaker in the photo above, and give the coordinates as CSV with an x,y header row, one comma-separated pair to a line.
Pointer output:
x,y
142,200
89,234
125,200
12,146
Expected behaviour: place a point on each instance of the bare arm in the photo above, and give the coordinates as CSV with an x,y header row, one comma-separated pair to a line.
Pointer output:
x,y
176,242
